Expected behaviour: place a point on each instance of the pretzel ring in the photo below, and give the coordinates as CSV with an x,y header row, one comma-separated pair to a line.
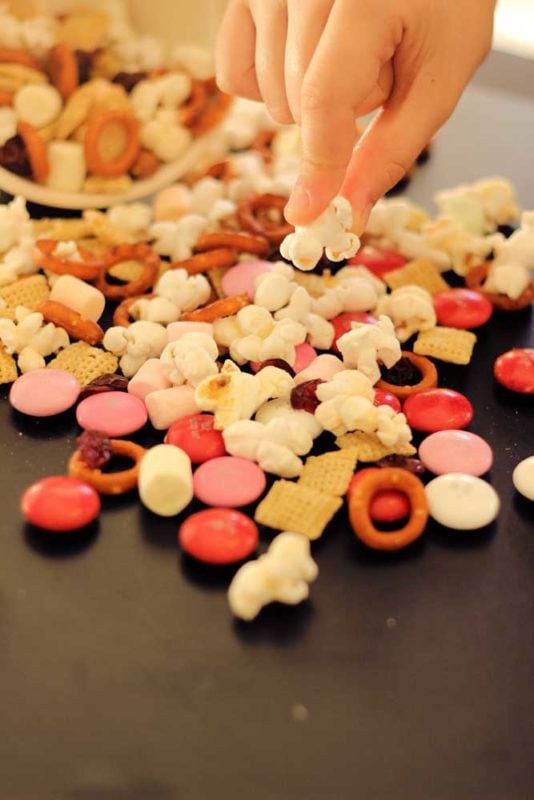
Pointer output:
x,y
475,278
145,164
76,326
87,270
262,145
130,252
95,129
6,98
121,315
429,379
110,482
225,307
9,55
360,505
212,114
63,69
253,215
203,262
222,170
194,105
36,150
241,242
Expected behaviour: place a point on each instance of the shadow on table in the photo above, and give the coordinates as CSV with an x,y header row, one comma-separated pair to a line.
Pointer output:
x,y
62,544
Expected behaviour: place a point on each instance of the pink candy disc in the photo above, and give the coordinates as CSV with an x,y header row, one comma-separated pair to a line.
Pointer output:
x,y
229,482
456,451
44,392
112,413
241,279
305,355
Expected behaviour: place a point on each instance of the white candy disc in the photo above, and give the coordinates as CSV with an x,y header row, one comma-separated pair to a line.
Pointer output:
x,y
523,478
462,502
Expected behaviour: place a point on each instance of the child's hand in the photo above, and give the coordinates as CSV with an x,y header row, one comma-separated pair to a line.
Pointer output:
x,y
323,63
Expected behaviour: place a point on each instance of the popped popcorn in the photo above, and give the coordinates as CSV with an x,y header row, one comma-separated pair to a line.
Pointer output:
x,y
233,395
18,261
134,218
15,224
136,344
163,134
260,337
281,409
186,292
320,332
390,217
275,446
330,232
508,279
367,344
156,309
519,248
197,61
410,308
190,359
283,574
177,239
168,91
274,289
29,337
244,121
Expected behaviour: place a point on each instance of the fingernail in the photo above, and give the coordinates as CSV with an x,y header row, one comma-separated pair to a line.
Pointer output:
x,y
300,199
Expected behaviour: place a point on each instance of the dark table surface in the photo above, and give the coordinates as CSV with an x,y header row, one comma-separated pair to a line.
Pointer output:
x,y
123,676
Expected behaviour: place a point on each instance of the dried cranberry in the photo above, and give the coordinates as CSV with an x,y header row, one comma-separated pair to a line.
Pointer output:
x,y
94,448
304,397
403,373
105,383
129,80
414,465
278,362
84,59
14,157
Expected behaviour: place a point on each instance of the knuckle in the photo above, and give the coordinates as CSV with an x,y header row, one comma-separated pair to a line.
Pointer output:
x,y
280,114
314,98
395,170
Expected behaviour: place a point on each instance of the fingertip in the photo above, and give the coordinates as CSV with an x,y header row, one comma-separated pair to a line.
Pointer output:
x,y
306,203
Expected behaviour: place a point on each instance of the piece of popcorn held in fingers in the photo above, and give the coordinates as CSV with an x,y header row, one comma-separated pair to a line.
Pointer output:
x,y
331,232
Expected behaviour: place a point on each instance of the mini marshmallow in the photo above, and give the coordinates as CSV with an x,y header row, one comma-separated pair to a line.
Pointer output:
x,y
323,368
177,239
282,574
331,232
150,377
166,406
190,359
79,296
368,343
176,330
167,139
187,292
172,203
135,218
411,310
38,104
8,124
67,166
155,309
165,480
136,344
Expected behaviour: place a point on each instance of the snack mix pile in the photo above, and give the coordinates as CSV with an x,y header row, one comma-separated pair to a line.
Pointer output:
x,y
269,381
88,105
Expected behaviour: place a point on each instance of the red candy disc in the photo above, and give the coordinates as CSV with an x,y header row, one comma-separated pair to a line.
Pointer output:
x,y
343,324
515,370
218,536
438,410
462,308
383,398
388,505
377,260
60,504
196,436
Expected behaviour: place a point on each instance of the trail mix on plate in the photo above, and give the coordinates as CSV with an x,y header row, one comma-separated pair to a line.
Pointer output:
x,y
87,104
270,381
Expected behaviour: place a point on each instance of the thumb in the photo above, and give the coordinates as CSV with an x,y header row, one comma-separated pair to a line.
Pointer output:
x,y
391,144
